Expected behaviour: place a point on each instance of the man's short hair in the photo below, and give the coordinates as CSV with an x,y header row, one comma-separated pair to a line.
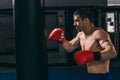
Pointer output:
x,y
84,13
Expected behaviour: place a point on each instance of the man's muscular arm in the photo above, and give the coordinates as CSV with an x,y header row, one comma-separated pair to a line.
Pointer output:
x,y
57,34
73,44
108,51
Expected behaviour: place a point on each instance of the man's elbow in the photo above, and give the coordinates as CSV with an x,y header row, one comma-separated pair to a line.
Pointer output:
x,y
114,53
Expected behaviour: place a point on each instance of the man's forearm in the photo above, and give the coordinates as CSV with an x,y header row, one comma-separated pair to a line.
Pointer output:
x,y
108,53
68,46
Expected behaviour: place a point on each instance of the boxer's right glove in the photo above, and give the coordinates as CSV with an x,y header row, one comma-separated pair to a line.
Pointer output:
x,y
84,56
57,35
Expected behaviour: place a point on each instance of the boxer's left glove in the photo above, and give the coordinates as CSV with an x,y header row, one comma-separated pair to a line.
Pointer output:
x,y
84,56
57,35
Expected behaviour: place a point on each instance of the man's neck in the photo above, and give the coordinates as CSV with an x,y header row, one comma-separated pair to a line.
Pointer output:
x,y
89,30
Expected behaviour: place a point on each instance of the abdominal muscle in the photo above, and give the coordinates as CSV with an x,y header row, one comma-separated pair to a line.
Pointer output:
x,y
101,66
98,66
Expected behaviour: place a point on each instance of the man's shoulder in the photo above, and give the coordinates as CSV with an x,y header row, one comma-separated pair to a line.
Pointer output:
x,y
99,30
79,33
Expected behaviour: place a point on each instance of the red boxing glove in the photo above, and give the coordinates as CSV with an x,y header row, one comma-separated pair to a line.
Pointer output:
x,y
57,35
85,56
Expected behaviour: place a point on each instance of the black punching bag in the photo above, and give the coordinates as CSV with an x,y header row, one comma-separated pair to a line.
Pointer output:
x,y
31,56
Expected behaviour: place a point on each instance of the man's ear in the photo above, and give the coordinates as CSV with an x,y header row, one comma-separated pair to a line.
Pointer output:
x,y
86,20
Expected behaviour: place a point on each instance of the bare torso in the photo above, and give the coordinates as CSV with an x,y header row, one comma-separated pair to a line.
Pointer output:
x,y
97,40
91,43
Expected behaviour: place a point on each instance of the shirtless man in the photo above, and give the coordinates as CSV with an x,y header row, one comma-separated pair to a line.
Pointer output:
x,y
97,48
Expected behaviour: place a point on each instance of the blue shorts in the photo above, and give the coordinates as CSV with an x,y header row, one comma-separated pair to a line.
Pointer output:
x,y
104,76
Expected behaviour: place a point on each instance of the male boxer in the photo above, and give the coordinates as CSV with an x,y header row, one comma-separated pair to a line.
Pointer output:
x,y
97,48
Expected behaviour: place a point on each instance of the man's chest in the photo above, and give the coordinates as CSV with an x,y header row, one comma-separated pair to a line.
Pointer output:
x,y
89,43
